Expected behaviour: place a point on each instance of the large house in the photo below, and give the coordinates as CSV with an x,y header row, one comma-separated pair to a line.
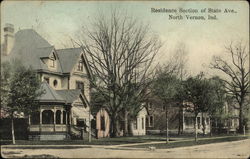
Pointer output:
x,y
64,110
180,118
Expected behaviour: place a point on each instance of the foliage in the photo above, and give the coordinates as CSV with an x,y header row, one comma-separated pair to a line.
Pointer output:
x,y
218,96
20,88
166,86
196,91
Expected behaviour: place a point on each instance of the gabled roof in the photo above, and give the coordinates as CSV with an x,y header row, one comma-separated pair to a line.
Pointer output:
x,y
44,51
70,95
68,58
31,48
50,94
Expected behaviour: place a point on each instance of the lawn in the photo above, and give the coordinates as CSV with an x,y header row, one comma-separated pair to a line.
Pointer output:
x,y
191,142
175,141
101,141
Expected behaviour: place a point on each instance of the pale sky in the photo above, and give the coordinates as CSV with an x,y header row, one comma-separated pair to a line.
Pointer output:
x,y
57,20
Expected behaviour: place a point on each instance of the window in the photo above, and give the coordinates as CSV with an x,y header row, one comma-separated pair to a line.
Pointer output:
x,y
103,123
55,83
198,122
135,124
150,106
80,85
47,117
207,121
64,117
151,121
80,65
52,62
58,117
81,123
35,118
46,79
68,118
142,123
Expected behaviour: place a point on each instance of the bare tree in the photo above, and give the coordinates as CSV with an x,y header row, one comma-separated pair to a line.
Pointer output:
x,y
237,82
180,62
120,51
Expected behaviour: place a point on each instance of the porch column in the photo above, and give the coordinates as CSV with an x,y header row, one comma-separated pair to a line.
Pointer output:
x,y
61,116
29,120
183,120
70,118
54,118
41,116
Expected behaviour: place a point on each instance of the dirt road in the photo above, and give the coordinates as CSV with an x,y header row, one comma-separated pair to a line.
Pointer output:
x,y
236,149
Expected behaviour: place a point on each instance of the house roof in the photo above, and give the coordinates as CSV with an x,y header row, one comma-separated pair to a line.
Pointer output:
x,y
69,95
44,51
50,94
28,47
68,58
31,48
31,37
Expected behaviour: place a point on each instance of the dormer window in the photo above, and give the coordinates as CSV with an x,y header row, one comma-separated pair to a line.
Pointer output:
x,y
80,85
80,65
46,79
52,63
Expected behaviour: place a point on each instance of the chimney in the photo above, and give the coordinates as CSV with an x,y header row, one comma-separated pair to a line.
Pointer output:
x,y
8,38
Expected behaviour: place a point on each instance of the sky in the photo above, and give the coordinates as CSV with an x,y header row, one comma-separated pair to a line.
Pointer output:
x,y
56,21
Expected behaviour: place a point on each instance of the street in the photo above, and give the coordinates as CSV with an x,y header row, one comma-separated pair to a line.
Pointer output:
x,y
235,149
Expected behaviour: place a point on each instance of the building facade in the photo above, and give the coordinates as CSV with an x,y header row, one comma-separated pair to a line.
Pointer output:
x,y
64,109
180,119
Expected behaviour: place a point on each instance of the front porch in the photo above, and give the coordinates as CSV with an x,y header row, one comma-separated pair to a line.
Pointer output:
x,y
49,123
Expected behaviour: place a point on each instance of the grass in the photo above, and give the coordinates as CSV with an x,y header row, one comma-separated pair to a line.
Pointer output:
x,y
191,142
101,141
175,141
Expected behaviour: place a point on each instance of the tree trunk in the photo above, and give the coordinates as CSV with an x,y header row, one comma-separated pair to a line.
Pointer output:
x,y
167,134
125,133
241,118
12,130
117,130
180,121
196,136
210,124
113,126
130,128
203,124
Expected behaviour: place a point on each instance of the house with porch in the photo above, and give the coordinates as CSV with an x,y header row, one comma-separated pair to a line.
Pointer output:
x,y
180,118
64,110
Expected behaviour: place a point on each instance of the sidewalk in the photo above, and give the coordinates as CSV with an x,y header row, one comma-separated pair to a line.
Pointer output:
x,y
117,146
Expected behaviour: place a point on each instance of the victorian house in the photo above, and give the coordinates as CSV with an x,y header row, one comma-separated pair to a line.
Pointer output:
x,y
64,110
